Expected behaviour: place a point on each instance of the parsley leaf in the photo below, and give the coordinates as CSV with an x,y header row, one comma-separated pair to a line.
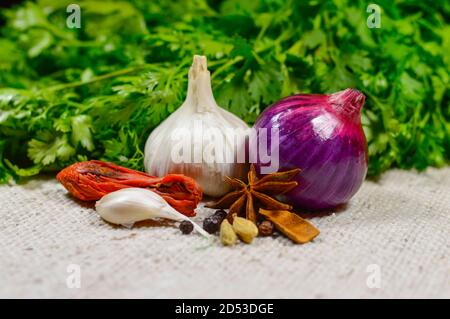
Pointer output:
x,y
98,91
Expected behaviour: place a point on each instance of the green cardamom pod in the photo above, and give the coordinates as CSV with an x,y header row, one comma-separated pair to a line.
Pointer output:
x,y
245,229
227,235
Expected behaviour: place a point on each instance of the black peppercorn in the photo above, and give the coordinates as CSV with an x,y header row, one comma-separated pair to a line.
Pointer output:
x,y
220,214
186,227
211,224
265,228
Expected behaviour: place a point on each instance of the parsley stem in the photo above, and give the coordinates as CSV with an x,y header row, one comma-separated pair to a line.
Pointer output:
x,y
102,77
240,58
226,66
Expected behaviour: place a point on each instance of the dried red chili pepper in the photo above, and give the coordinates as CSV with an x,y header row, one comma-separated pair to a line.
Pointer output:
x,y
89,181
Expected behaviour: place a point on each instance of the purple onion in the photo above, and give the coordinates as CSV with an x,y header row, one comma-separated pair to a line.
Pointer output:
x,y
322,135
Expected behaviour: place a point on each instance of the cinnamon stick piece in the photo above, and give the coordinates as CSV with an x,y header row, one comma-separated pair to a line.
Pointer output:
x,y
299,230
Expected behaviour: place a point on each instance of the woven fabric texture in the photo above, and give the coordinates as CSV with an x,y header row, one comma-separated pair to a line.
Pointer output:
x,y
391,241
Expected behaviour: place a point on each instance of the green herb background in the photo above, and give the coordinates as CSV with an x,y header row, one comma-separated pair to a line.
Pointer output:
x,y
68,95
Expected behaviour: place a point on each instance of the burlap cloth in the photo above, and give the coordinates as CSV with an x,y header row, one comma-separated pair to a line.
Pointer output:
x,y
397,227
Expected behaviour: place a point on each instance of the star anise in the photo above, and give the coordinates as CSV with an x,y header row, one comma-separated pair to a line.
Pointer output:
x,y
258,193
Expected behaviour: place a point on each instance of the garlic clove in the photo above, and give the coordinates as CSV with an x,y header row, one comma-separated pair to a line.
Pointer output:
x,y
127,206
130,205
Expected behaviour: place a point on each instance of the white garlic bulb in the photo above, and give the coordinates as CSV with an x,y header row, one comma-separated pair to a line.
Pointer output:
x,y
130,205
196,141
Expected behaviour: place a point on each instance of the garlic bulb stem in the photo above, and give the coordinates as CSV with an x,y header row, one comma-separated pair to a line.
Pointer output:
x,y
200,95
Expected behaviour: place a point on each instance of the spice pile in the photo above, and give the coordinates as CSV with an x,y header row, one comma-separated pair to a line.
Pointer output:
x,y
257,203
125,197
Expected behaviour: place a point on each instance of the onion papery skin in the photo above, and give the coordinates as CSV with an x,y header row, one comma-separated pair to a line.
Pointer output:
x,y
323,136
